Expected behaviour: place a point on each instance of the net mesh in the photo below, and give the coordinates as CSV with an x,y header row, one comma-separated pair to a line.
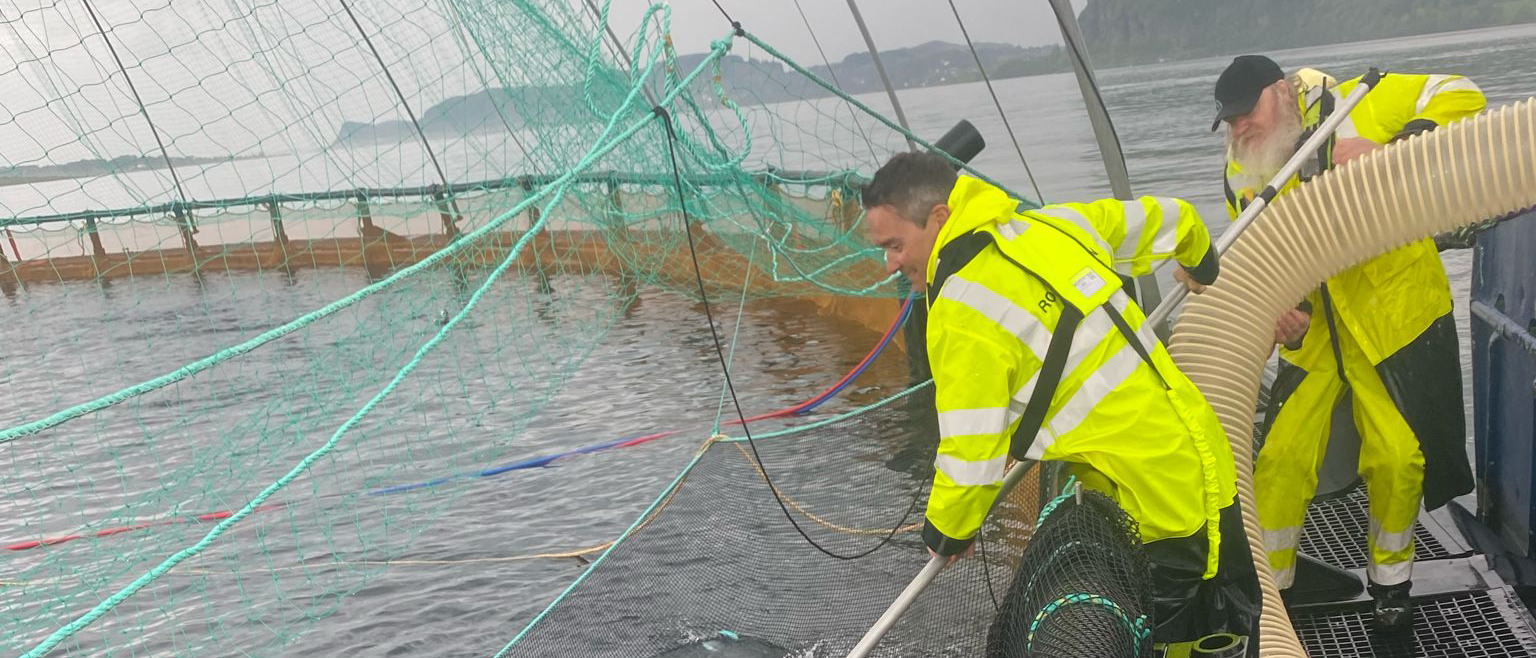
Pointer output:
x,y
717,561
1082,587
278,275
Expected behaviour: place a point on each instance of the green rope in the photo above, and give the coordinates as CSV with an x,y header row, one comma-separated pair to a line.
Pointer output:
x,y
611,548
558,188
1067,491
741,309
1137,628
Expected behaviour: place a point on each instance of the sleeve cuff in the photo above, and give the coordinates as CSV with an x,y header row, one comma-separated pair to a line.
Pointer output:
x,y
1415,127
1305,307
941,543
1210,266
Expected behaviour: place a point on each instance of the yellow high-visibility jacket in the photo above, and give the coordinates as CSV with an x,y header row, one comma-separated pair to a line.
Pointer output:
x,y
1389,300
999,283
1395,306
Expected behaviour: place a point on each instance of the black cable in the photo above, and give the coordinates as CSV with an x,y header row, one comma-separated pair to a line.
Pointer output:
x,y
175,180
833,74
709,316
986,569
1000,113
391,78
728,19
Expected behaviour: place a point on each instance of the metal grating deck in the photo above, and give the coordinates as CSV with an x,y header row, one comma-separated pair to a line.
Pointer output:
x,y
1486,624
1335,533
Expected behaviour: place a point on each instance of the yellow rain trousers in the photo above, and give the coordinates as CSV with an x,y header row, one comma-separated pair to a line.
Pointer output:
x,y
1382,332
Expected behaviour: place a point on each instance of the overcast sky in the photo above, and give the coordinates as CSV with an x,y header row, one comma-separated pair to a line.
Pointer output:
x,y
247,76
894,23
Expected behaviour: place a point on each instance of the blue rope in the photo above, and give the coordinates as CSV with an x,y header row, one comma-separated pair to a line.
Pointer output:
x,y
906,311
533,462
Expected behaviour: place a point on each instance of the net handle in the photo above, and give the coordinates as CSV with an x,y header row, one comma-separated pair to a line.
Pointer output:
x,y
930,571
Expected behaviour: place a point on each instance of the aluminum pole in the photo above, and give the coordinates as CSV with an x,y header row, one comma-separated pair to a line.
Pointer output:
x,y
930,571
1307,150
1103,131
874,53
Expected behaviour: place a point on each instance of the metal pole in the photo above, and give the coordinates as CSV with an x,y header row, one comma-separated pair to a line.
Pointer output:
x,y
1161,313
182,220
1098,115
90,227
930,571
903,601
874,53
1504,326
1103,131
409,113
1307,149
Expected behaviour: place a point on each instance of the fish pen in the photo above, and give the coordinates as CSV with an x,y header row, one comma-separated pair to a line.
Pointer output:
x,y
499,328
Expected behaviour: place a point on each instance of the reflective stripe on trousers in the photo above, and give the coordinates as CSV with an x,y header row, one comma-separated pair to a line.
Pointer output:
x,y
1285,475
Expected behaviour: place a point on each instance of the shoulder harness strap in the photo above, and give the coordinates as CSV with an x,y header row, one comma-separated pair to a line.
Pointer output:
x,y
956,255
1324,160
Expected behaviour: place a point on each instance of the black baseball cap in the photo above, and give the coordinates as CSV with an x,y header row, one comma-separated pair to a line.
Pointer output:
x,y
1238,88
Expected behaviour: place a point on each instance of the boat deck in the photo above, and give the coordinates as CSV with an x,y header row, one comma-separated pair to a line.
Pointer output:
x,y
1465,610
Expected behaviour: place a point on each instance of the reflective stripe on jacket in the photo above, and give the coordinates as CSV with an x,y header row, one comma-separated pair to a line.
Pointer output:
x,y
1391,299
1148,431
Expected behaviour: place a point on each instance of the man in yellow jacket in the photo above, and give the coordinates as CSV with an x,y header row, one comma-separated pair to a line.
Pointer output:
x,y
1381,330
1037,352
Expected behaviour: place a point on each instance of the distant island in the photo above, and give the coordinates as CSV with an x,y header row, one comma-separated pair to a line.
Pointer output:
x,y
749,82
28,174
1135,31
1118,32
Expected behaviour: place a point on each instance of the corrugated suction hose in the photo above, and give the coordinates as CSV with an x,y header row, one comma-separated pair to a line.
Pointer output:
x,y
1459,174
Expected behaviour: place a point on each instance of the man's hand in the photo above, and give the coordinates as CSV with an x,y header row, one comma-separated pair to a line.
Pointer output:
x,y
1291,327
1350,148
969,551
1182,276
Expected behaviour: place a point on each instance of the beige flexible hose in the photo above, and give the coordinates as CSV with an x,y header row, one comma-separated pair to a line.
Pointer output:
x,y
1459,174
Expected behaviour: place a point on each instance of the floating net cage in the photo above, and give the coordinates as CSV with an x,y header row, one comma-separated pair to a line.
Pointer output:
x,y
359,258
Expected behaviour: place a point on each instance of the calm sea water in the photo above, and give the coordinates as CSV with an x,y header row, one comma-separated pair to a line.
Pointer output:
x,y
654,370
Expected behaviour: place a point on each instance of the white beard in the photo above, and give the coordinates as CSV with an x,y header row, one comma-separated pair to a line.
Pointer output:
x,y
1262,158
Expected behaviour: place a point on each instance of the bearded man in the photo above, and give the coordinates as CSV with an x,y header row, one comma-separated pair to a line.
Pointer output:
x,y
1380,331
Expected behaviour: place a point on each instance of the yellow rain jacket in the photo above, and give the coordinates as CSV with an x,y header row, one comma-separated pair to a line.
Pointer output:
x,y
1389,303
1000,284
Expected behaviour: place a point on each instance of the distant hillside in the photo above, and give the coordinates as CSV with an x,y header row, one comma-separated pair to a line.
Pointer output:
x,y
1118,32
747,81
27,174
490,110
941,63
1133,31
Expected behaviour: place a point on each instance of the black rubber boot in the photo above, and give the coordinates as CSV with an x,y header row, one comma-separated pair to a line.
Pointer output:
x,y
1392,608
